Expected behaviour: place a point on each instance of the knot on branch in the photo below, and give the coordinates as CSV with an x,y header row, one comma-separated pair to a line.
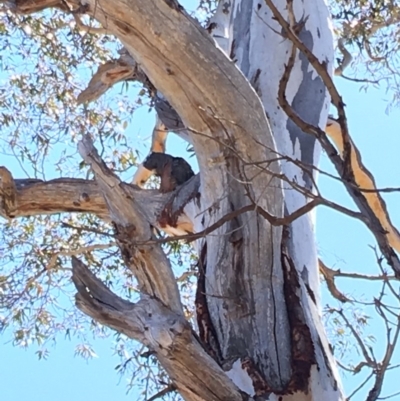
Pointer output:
x,y
8,193
107,75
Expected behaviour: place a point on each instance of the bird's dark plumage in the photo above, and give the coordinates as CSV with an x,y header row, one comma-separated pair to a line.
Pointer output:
x,y
173,171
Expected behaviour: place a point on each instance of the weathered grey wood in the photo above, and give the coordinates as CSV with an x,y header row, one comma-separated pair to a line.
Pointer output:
x,y
167,333
31,197
149,263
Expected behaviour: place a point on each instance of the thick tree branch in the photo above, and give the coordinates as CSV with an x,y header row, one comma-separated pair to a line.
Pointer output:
x,y
213,97
19,198
149,265
30,197
192,90
195,374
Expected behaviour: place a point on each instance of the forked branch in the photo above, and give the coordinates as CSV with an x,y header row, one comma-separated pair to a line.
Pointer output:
x,y
149,264
348,162
194,373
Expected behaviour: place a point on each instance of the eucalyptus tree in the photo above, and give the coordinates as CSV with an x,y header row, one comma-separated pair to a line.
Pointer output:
x,y
250,89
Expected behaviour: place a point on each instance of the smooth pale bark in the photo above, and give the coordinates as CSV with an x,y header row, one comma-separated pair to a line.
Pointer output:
x,y
249,34
261,287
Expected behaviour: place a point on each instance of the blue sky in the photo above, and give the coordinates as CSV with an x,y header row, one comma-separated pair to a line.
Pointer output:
x,y
342,243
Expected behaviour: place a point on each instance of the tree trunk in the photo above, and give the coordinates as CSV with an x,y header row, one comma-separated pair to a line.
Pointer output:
x,y
260,329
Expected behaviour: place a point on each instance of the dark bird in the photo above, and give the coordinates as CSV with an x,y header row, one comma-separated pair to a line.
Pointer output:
x,y
173,171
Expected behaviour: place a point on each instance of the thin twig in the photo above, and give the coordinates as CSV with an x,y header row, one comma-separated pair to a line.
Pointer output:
x,y
382,228
169,389
275,221
360,342
360,386
78,251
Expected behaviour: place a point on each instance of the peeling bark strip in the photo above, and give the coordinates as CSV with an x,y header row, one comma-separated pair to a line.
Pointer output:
x,y
303,352
366,183
207,332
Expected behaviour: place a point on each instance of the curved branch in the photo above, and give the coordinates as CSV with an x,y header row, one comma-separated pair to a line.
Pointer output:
x,y
365,180
190,90
347,57
329,276
195,374
149,264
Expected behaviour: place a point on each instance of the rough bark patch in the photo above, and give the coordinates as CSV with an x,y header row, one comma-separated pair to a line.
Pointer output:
x,y
303,353
207,333
180,198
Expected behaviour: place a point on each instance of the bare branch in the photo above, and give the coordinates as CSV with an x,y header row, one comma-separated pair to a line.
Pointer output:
x,y
274,221
28,197
109,74
374,393
169,389
195,374
348,163
389,396
347,57
338,273
75,252
330,282
149,265
88,29
358,388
